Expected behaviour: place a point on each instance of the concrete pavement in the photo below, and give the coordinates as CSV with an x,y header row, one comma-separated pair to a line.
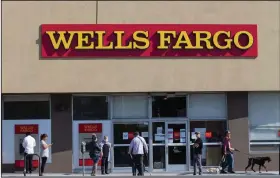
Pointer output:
x,y
154,174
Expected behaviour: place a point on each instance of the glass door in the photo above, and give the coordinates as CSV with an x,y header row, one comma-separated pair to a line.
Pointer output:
x,y
123,134
176,146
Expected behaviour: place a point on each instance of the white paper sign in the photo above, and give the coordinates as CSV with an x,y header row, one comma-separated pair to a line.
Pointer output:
x,y
159,137
170,140
125,135
170,134
145,134
159,130
182,140
193,136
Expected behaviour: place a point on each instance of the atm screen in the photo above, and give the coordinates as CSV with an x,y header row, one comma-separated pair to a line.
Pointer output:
x,y
21,148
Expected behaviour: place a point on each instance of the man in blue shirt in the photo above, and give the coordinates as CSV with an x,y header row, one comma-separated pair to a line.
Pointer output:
x,y
137,148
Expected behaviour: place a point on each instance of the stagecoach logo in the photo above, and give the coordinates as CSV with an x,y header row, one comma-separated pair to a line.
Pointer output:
x,y
112,41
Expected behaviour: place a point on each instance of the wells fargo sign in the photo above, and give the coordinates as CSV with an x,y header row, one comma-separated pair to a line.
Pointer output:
x,y
90,128
136,40
23,129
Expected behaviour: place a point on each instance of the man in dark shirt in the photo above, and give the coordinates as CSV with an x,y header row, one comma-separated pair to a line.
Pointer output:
x,y
197,151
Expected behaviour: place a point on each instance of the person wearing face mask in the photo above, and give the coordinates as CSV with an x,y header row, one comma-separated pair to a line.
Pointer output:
x,y
197,149
105,152
94,153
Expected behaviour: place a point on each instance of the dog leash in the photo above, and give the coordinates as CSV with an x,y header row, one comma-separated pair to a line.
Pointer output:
x,y
244,153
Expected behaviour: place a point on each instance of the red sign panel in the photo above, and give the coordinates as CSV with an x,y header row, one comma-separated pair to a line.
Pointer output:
x,y
130,135
148,40
88,162
176,135
90,128
208,134
23,129
20,163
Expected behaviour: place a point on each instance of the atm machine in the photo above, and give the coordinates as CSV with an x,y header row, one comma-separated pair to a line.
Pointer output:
x,y
85,134
20,133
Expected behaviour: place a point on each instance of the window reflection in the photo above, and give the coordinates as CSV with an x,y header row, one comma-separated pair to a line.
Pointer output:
x,y
211,155
169,106
213,130
159,157
123,133
122,158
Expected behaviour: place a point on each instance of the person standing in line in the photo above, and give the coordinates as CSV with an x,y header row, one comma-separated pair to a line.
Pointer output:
x,y
137,148
44,151
197,153
105,152
28,144
227,154
94,153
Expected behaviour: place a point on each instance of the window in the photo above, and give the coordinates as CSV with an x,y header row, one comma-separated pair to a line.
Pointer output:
x,y
264,121
164,106
15,110
211,155
123,133
211,131
122,159
207,106
90,108
130,107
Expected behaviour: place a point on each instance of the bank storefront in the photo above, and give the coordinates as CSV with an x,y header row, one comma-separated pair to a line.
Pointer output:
x,y
167,121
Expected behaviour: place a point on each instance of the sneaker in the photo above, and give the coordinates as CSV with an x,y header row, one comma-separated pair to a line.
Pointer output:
x,y
232,172
223,172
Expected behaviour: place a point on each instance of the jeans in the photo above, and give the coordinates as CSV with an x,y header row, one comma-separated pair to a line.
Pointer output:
x,y
137,163
229,162
104,165
28,162
197,162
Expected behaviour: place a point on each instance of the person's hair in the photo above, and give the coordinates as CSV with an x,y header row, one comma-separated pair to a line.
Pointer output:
x,y
94,137
105,137
28,133
136,134
42,136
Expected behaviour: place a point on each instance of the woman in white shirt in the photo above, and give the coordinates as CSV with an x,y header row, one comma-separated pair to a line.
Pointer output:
x,y
44,151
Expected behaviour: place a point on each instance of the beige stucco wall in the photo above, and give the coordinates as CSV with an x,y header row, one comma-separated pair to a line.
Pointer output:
x,y
24,72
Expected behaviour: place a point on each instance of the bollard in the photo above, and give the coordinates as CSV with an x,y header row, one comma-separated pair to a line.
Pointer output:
x,y
39,166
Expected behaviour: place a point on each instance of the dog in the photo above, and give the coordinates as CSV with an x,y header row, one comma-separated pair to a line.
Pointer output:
x,y
213,170
259,161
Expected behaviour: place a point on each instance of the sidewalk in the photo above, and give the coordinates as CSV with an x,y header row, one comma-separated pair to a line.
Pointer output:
x,y
159,174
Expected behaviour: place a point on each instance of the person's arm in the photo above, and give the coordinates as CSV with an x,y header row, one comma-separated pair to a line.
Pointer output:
x,y
24,143
34,142
201,144
229,145
97,147
130,147
145,145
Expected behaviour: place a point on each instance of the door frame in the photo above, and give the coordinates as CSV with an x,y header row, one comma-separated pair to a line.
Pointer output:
x,y
124,121
177,167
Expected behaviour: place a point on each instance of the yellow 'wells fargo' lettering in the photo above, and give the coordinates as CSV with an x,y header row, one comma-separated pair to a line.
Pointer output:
x,y
140,40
